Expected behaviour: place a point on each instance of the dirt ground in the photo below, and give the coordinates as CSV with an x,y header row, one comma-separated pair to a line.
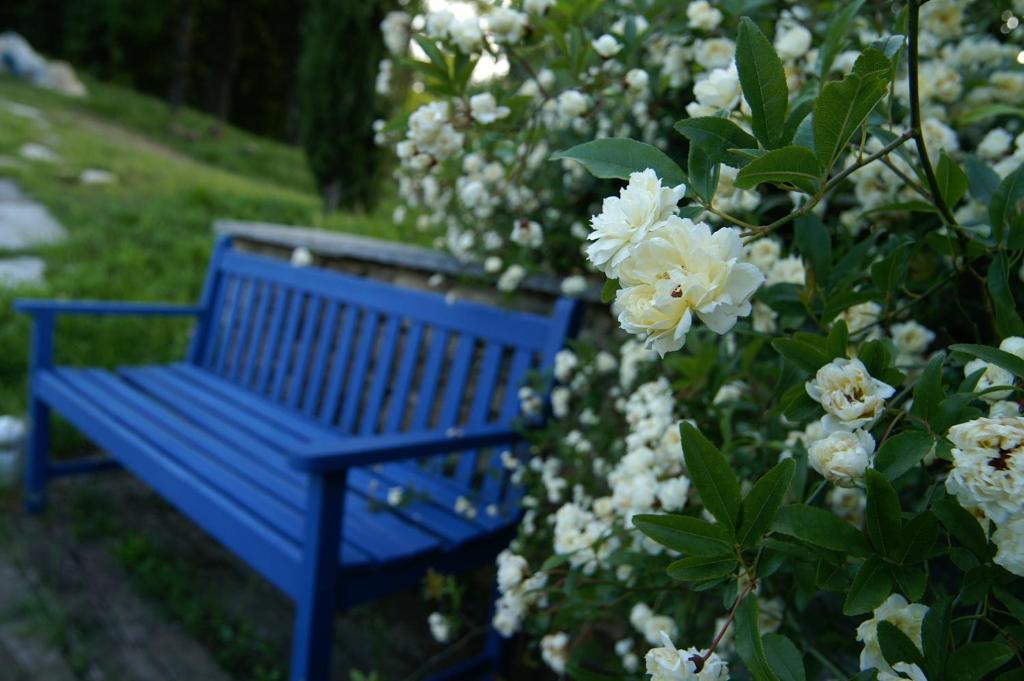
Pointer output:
x,y
111,584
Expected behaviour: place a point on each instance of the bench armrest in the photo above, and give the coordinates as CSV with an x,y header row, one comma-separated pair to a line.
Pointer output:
x,y
100,307
332,454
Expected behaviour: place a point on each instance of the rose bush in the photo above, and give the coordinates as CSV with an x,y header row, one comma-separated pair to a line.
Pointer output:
x,y
807,460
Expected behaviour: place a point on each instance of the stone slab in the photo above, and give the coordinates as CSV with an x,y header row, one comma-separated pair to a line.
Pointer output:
x,y
24,271
24,224
9,191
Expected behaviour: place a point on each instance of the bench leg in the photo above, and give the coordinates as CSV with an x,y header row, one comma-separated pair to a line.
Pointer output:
x,y
315,606
36,449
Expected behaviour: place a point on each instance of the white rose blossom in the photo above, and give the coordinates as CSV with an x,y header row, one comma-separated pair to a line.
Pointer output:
x,y
907,617
842,456
1009,539
668,663
626,219
851,397
680,271
988,466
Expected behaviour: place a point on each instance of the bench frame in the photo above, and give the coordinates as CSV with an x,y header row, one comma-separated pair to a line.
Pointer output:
x,y
326,461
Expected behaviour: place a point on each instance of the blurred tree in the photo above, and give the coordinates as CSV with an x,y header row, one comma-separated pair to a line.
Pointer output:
x,y
342,47
182,53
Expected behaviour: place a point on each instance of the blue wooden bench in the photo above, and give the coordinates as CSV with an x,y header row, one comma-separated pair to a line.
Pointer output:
x,y
305,397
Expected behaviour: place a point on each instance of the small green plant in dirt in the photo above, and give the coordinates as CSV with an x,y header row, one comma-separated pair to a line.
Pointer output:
x,y
171,583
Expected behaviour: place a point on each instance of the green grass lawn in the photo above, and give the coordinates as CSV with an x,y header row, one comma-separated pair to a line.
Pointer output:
x,y
146,237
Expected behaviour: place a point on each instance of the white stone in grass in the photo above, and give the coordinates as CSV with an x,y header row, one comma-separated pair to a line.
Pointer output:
x,y
94,176
25,271
12,430
37,152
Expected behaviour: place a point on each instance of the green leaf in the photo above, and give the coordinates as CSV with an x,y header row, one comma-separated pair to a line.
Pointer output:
x,y
617,157
716,137
796,118
989,111
844,105
928,391
436,57
685,534
763,80
759,508
815,244
952,180
703,173
935,637
838,339
700,568
897,646
973,661
910,580
918,537
783,657
1012,603
608,291
1001,358
793,165
835,37
903,451
801,354
821,528
963,526
712,476
889,272
1008,322
982,180
1006,202
748,641
870,587
883,513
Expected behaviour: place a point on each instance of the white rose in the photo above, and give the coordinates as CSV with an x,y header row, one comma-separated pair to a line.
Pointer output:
x,y
506,25
861,316
995,144
574,285
848,393
537,6
637,80
788,271
395,30
682,270
792,43
560,401
440,627
1013,345
715,53
484,108
572,104
607,46
911,338
466,34
842,456
991,377
554,650
988,466
626,219
1009,538
527,233
668,663
763,253
511,278
907,617
720,90
703,16
438,23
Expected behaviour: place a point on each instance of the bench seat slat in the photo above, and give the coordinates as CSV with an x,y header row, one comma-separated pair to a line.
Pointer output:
x,y
379,534
429,515
269,553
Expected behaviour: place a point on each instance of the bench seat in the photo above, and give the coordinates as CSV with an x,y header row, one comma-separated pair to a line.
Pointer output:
x,y
187,433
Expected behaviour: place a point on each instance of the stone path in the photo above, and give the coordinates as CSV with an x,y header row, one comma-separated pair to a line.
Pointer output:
x,y
24,223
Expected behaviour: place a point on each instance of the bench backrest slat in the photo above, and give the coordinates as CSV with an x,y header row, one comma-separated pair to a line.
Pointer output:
x,y
365,357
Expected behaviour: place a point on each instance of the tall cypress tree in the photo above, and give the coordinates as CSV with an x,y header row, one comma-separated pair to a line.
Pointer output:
x,y
342,46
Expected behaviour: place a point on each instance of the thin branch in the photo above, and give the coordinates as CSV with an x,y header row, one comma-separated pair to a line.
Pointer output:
x,y
913,29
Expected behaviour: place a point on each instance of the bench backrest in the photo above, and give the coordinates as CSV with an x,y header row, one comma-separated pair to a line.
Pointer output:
x,y
366,357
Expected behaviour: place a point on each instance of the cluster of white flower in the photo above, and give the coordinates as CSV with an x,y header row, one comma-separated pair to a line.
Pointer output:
x,y
853,400
554,650
908,618
517,590
670,269
440,627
